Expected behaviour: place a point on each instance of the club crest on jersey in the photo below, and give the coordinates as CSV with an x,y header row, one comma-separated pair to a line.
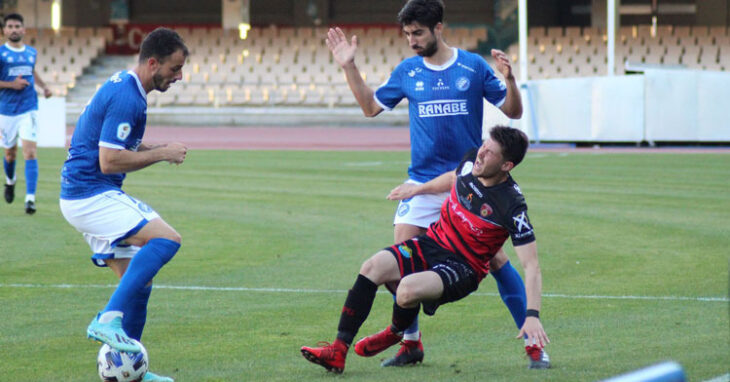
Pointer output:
x,y
123,131
462,83
486,210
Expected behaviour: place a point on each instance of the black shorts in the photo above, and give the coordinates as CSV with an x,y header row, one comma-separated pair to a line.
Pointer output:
x,y
423,254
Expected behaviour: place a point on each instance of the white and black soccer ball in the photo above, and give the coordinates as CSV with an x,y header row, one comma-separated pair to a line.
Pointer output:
x,y
118,366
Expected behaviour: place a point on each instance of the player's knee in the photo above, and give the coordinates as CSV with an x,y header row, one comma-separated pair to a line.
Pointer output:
x,y
407,295
368,268
174,236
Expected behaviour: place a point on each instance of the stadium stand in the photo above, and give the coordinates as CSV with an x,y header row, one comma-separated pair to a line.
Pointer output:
x,y
63,56
556,52
292,66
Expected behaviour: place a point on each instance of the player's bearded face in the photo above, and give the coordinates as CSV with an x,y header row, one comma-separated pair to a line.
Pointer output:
x,y
14,31
428,50
169,71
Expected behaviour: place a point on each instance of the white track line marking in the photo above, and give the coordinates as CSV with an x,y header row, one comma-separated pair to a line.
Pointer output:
x,y
342,291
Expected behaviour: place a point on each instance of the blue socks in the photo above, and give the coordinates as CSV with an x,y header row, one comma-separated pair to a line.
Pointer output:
x,y
9,169
135,314
31,176
512,290
143,267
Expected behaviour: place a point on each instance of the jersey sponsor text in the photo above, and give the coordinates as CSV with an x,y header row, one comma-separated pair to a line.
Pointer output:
x,y
442,108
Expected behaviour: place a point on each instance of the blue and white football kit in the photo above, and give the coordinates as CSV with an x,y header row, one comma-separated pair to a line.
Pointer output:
x,y
446,107
94,203
446,110
18,110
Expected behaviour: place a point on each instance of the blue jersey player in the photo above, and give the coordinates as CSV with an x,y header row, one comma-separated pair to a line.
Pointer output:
x,y
18,108
445,88
124,233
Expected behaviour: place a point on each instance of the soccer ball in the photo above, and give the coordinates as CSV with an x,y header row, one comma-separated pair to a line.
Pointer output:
x,y
117,366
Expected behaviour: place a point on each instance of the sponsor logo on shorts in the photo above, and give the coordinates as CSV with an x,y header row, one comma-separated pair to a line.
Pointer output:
x,y
405,251
403,208
442,108
144,207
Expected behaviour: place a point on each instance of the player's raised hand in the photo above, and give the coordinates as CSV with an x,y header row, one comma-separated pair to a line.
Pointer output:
x,y
503,63
19,83
175,152
534,331
403,191
342,50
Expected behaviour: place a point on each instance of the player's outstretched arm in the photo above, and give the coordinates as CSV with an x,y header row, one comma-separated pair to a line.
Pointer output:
x,y
114,161
512,106
437,185
533,287
344,54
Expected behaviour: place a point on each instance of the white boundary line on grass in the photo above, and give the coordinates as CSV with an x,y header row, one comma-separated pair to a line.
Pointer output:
x,y
293,290
720,378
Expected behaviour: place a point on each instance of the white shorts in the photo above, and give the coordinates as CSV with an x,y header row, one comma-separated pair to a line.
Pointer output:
x,y
24,125
106,220
420,210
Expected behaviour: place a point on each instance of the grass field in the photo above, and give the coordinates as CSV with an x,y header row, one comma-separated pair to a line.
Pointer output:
x,y
633,250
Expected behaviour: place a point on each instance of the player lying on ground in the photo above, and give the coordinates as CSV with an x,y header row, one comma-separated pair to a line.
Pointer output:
x,y
485,207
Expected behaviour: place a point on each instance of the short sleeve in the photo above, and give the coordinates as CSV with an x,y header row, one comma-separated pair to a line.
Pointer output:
x,y
520,228
389,94
120,119
495,90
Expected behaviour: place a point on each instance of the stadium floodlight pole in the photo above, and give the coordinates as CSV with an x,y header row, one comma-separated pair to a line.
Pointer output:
x,y
522,33
611,33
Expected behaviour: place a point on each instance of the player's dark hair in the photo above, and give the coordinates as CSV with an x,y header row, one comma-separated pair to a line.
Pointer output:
x,y
512,141
13,16
161,43
425,12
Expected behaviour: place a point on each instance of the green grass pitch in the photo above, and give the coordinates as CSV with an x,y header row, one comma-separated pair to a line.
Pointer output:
x,y
633,250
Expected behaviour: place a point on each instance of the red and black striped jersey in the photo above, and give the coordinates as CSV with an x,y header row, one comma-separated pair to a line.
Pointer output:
x,y
476,220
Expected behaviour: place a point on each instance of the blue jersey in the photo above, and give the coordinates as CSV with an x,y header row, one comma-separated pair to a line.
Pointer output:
x,y
114,118
14,63
445,108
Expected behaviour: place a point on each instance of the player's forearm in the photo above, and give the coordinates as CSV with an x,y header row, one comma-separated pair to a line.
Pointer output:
x,y
362,92
437,185
114,161
512,106
6,84
527,254
533,287
39,81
